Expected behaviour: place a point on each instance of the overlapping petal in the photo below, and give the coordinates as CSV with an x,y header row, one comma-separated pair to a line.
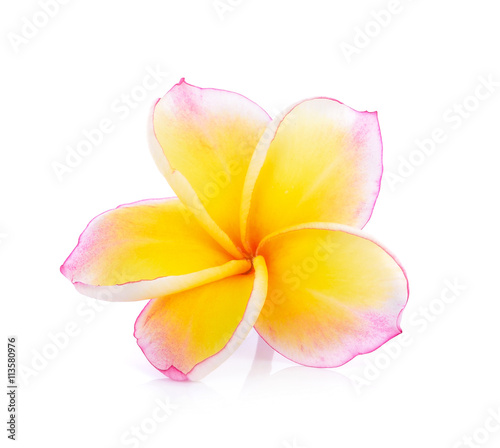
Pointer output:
x,y
332,294
321,162
188,334
202,140
149,248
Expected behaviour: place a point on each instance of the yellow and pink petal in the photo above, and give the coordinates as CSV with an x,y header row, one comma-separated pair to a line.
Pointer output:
x,y
320,162
202,141
188,334
146,249
333,293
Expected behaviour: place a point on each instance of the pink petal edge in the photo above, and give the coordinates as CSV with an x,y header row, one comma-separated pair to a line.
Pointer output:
x,y
353,231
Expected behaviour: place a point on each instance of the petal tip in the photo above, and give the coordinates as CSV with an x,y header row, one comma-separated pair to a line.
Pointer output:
x,y
64,270
183,84
175,374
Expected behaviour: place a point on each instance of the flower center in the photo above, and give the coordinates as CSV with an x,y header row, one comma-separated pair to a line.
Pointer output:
x,y
250,259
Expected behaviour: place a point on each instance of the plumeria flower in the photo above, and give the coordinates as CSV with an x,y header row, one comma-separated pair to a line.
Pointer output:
x,y
264,233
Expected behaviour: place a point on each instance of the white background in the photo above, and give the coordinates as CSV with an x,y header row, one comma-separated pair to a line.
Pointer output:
x,y
432,387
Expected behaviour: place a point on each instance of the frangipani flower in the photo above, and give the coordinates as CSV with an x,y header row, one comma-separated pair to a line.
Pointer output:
x,y
264,233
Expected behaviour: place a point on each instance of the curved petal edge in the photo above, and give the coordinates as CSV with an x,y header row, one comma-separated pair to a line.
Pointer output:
x,y
187,335
333,294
